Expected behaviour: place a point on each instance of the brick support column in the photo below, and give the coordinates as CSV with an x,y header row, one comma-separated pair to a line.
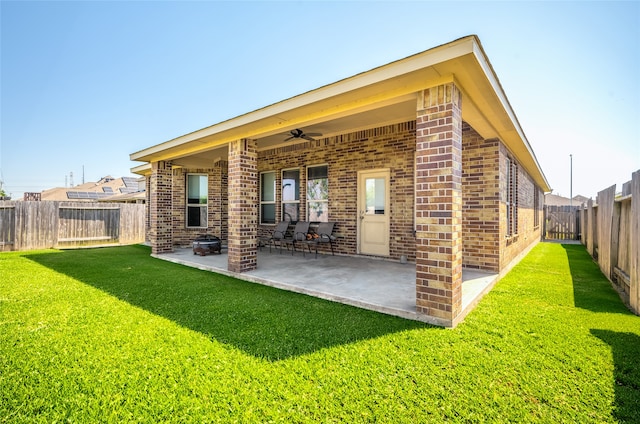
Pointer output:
x,y
439,204
160,217
243,205
147,211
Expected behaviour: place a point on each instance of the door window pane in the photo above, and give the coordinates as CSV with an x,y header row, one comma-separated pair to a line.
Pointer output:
x,y
375,196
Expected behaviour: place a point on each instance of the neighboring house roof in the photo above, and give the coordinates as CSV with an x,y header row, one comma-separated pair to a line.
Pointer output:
x,y
556,200
580,199
137,197
381,96
92,191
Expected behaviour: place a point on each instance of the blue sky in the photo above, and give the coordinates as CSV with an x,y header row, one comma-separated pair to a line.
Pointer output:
x,y
86,83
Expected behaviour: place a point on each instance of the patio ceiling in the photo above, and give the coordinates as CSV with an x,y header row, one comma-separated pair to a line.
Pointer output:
x,y
384,95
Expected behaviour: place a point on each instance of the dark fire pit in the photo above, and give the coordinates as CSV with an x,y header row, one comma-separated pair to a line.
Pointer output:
x,y
207,244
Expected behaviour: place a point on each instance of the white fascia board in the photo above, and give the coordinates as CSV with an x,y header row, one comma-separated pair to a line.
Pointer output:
x,y
143,169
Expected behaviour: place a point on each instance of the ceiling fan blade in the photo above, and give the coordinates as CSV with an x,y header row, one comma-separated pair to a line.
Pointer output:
x,y
290,138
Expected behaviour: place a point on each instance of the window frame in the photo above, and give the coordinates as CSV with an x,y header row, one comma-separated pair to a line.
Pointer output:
x,y
268,202
308,201
536,207
189,206
512,198
290,202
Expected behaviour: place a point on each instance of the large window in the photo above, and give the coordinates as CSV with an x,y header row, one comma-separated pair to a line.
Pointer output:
x,y
512,198
268,197
197,199
291,195
317,194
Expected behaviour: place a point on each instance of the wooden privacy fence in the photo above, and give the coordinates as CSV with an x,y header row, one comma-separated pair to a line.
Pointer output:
x,y
611,233
28,225
561,222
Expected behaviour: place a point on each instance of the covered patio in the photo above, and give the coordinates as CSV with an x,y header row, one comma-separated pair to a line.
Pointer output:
x,y
422,159
379,285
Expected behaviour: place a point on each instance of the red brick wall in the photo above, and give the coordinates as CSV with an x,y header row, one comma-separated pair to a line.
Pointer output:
x,y
147,217
217,204
391,146
243,205
481,201
160,227
527,234
439,203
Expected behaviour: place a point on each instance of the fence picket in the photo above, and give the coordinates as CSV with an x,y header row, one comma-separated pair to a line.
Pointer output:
x,y
606,199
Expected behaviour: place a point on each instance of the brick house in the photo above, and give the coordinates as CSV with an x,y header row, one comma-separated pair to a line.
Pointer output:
x,y
421,158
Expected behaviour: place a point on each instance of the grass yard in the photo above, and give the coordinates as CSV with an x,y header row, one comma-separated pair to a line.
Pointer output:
x,y
113,335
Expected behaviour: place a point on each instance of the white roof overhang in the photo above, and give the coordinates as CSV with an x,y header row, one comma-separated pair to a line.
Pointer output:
x,y
377,97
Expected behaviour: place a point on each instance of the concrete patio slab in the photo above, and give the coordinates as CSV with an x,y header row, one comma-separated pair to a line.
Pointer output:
x,y
375,284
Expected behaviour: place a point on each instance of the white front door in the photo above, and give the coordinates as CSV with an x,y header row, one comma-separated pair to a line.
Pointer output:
x,y
373,208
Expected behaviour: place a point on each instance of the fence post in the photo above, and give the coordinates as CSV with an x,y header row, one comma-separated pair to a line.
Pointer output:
x,y
591,231
606,202
634,271
615,236
582,226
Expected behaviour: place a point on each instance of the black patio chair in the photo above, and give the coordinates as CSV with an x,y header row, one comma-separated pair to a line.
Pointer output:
x,y
276,237
323,235
299,236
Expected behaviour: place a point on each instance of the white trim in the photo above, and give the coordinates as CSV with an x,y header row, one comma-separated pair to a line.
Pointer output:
x,y
359,199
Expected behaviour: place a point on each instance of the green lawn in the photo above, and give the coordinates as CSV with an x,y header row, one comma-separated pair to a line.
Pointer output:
x,y
113,335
